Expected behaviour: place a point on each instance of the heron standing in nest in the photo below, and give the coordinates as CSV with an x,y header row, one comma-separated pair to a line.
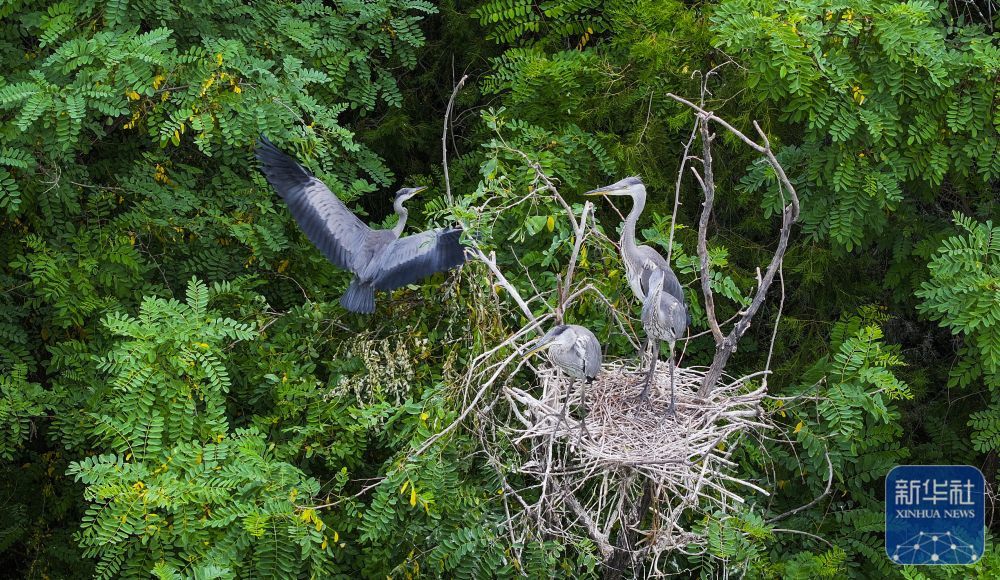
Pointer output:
x,y
665,314
379,259
576,351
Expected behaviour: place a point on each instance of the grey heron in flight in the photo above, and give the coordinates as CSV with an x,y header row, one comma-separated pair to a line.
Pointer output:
x,y
576,351
379,259
665,314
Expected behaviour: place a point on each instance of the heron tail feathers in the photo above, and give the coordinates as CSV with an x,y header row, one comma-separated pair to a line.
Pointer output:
x,y
359,298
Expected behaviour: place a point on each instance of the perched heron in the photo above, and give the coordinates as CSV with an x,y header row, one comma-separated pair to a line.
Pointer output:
x,y
379,259
663,318
652,281
576,351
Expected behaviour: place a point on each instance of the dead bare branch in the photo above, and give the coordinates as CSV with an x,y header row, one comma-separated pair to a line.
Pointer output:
x,y
726,344
444,139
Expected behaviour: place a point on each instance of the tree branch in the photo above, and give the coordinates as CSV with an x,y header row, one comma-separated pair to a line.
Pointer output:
x,y
580,234
826,492
491,263
813,536
677,191
789,215
708,187
625,544
601,540
444,140
712,117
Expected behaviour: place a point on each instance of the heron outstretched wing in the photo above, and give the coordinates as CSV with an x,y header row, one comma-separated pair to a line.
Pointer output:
x,y
412,258
326,221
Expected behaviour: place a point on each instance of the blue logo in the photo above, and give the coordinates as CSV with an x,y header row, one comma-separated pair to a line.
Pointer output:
x,y
935,514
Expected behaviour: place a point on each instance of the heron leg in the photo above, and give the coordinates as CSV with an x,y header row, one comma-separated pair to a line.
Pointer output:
x,y
672,409
648,383
645,349
583,411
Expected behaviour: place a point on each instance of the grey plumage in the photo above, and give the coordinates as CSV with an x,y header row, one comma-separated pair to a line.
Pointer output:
x,y
576,351
379,259
414,257
665,316
640,260
572,348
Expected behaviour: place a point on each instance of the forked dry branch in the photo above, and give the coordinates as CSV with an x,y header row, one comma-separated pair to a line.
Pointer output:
x,y
606,469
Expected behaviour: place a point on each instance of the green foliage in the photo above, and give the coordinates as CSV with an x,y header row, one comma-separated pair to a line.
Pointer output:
x,y
887,94
530,77
202,75
548,22
963,295
828,564
20,401
843,416
183,396
126,133
166,383
963,292
860,365
181,492
225,508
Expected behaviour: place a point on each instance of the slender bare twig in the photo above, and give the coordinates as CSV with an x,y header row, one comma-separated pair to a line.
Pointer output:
x,y
491,263
708,187
364,490
580,234
777,321
444,140
677,190
603,545
826,492
548,184
716,119
813,536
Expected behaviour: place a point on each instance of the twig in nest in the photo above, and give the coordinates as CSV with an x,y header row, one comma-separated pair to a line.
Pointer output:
x,y
684,462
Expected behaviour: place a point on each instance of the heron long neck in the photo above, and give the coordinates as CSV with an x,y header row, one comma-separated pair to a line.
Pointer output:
x,y
630,249
655,289
397,230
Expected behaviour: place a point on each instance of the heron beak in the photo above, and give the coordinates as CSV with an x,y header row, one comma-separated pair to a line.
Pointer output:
x,y
606,190
538,346
417,190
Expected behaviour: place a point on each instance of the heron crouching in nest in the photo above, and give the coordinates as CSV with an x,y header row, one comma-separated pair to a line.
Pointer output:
x,y
576,351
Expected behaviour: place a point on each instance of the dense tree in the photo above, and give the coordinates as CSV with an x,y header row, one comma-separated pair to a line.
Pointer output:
x,y
182,396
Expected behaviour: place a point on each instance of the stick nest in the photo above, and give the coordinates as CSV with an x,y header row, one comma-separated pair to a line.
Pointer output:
x,y
588,462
